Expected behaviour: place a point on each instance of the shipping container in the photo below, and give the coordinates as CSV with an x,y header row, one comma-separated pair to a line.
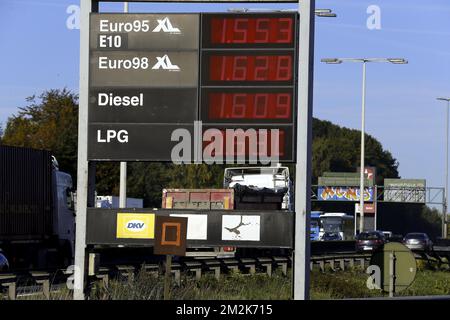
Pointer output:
x,y
26,196
206,199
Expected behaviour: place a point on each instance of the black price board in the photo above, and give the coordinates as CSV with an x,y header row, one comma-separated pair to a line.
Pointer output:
x,y
151,74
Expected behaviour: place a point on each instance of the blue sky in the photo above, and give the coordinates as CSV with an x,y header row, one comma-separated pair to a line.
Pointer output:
x,y
39,52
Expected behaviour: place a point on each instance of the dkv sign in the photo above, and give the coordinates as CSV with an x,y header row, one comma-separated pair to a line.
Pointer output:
x,y
135,225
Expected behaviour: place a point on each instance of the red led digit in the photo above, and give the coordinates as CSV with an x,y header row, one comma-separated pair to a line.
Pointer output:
x,y
223,69
240,31
240,67
239,105
222,105
284,68
261,67
224,30
283,106
262,30
260,109
219,70
284,30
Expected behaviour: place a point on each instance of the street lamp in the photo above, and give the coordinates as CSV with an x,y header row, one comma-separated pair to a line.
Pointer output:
x,y
444,217
364,61
323,13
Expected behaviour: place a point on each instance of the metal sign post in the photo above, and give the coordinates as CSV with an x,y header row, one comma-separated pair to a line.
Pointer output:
x,y
170,239
304,145
156,69
167,275
83,165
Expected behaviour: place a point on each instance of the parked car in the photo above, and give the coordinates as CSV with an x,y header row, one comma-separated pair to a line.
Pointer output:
x,y
418,241
369,241
331,236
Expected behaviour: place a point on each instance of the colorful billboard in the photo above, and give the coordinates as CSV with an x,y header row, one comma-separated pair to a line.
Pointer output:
x,y
343,193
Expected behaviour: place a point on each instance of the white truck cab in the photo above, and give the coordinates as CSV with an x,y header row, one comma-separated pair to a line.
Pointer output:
x,y
64,212
276,179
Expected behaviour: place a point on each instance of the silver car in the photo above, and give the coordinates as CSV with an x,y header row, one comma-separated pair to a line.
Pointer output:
x,y
418,241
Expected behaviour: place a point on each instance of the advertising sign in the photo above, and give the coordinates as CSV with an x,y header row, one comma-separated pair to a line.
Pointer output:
x,y
405,190
170,235
343,194
245,228
368,208
135,226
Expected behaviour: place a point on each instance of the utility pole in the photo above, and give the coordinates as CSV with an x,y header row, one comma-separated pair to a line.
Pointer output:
x,y
445,206
363,125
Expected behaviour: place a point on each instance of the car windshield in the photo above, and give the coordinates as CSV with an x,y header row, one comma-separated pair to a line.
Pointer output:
x,y
369,236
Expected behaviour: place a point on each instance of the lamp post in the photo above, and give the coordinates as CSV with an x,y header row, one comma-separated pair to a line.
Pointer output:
x,y
364,61
444,211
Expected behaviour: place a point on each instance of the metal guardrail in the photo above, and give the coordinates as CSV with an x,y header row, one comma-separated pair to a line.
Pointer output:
x,y
261,265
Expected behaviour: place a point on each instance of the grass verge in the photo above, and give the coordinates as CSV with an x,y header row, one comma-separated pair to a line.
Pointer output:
x,y
237,286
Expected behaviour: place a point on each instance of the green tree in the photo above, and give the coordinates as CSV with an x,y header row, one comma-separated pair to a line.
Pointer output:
x,y
338,149
49,122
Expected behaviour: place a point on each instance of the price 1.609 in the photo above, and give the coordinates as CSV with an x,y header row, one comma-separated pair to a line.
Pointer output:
x,y
249,106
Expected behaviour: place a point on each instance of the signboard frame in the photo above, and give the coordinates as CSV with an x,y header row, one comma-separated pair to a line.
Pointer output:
x,y
86,168
102,226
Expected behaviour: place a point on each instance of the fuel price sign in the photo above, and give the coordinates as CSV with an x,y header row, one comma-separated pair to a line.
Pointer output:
x,y
248,79
151,74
